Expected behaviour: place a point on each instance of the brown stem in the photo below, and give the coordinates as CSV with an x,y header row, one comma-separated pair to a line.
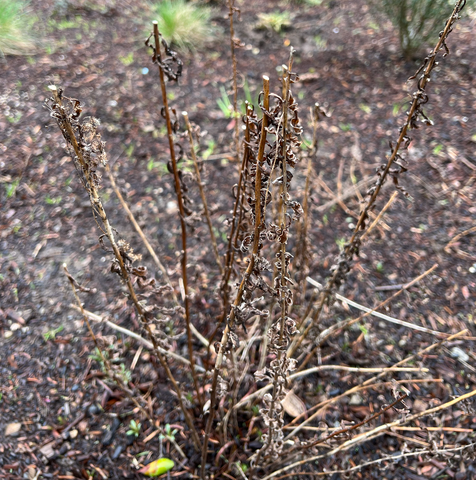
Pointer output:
x,y
257,230
202,192
422,82
99,210
178,191
277,385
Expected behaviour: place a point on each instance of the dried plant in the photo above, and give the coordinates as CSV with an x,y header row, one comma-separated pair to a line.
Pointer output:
x,y
260,305
395,166
88,151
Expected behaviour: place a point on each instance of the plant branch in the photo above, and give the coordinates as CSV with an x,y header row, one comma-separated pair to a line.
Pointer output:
x,y
351,248
230,322
178,190
202,192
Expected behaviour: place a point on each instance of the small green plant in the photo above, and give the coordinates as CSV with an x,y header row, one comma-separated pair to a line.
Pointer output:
x,y
417,21
276,21
169,434
186,25
127,60
224,103
51,334
365,108
124,374
134,428
210,149
14,118
345,127
52,201
11,188
15,28
321,43
437,149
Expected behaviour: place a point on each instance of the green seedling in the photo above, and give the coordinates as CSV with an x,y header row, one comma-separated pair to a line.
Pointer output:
x,y
134,428
51,334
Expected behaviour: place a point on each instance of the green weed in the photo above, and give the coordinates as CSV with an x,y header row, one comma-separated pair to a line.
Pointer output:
x,y
186,25
51,334
11,188
15,28
276,21
134,428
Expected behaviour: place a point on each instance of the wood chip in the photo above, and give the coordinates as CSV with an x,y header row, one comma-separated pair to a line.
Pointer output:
x,y
48,450
12,429
293,405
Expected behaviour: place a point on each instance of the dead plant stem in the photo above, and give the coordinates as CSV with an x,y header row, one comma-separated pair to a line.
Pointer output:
x,y
138,229
178,191
98,209
202,191
422,82
230,322
231,12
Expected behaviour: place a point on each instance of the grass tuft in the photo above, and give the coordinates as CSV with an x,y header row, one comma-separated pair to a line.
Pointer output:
x,y
186,25
15,25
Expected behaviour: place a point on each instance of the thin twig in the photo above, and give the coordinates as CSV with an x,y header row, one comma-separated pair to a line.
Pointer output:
x,y
380,215
369,381
202,191
372,434
388,458
321,368
346,323
138,229
144,342
378,314
236,114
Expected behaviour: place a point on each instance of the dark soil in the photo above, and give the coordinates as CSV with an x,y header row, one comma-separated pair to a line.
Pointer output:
x,y
73,425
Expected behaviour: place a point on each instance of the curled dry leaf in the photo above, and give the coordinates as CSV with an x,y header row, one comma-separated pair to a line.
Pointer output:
x,y
293,405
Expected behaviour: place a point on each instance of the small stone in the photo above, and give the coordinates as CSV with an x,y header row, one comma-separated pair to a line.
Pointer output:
x,y
117,452
93,410
172,207
355,399
14,327
293,405
12,429
8,334
73,434
83,426
64,448
456,352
